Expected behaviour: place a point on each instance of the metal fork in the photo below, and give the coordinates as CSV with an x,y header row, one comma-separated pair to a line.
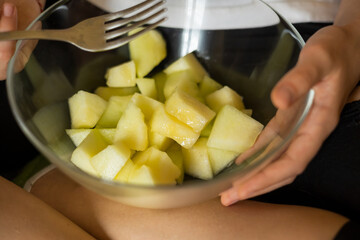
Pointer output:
x,y
101,33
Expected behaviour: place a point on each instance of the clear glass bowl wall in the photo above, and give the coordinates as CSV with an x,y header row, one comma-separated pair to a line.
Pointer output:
x,y
248,47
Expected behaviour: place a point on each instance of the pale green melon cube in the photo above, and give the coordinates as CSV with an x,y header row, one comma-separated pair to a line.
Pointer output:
x,y
147,87
208,85
160,79
85,109
233,130
147,51
220,159
166,125
189,63
196,160
189,110
142,175
89,147
107,92
175,153
114,109
159,141
132,129
222,97
122,75
108,162
78,135
146,104
124,173
180,81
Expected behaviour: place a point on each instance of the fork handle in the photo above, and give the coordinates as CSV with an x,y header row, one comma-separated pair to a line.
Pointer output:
x,y
59,35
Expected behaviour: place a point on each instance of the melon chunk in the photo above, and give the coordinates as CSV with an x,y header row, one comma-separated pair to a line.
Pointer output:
x,y
92,145
159,141
189,110
159,168
78,135
166,125
175,153
147,87
114,109
131,129
146,104
107,92
147,51
233,130
180,81
208,85
85,109
122,75
108,162
160,79
222,97
124,173
189,63
196,160
220,159
142,175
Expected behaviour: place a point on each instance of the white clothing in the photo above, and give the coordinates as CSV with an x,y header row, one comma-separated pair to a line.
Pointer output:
x,y
237,13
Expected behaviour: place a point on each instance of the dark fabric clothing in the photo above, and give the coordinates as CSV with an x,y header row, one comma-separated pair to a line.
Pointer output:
x,y
350,231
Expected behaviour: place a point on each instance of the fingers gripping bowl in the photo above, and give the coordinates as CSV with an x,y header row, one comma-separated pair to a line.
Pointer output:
x,y
235,45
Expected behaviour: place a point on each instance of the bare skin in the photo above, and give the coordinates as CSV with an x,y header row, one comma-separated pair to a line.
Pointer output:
x,y
25,216
328,64
106,219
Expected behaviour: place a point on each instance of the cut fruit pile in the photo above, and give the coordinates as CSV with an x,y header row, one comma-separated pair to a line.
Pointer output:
x,y
152,131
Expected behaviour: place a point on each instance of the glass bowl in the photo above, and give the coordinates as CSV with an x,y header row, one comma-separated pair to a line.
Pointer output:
x,y
243,44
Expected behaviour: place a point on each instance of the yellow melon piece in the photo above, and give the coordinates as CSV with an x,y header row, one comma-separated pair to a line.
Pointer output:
x,y
85,109
159,141
160,79
160,169
107,92
175,153
147,87
189,63
189,110
220,159
78,135
233,130
180,81
114,109
208,85
108,162
124,173
122,75
147,51
146,104
196,160
222,97
131,129
166,125
89,147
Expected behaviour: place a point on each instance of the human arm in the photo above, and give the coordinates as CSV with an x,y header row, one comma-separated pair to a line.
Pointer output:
x,y
328,64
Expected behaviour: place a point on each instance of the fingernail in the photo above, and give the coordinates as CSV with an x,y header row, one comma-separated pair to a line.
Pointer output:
x,y
8,9
230,197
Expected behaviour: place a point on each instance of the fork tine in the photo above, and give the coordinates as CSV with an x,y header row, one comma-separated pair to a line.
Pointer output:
x,y
122,41
119,14
122,22
121,31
